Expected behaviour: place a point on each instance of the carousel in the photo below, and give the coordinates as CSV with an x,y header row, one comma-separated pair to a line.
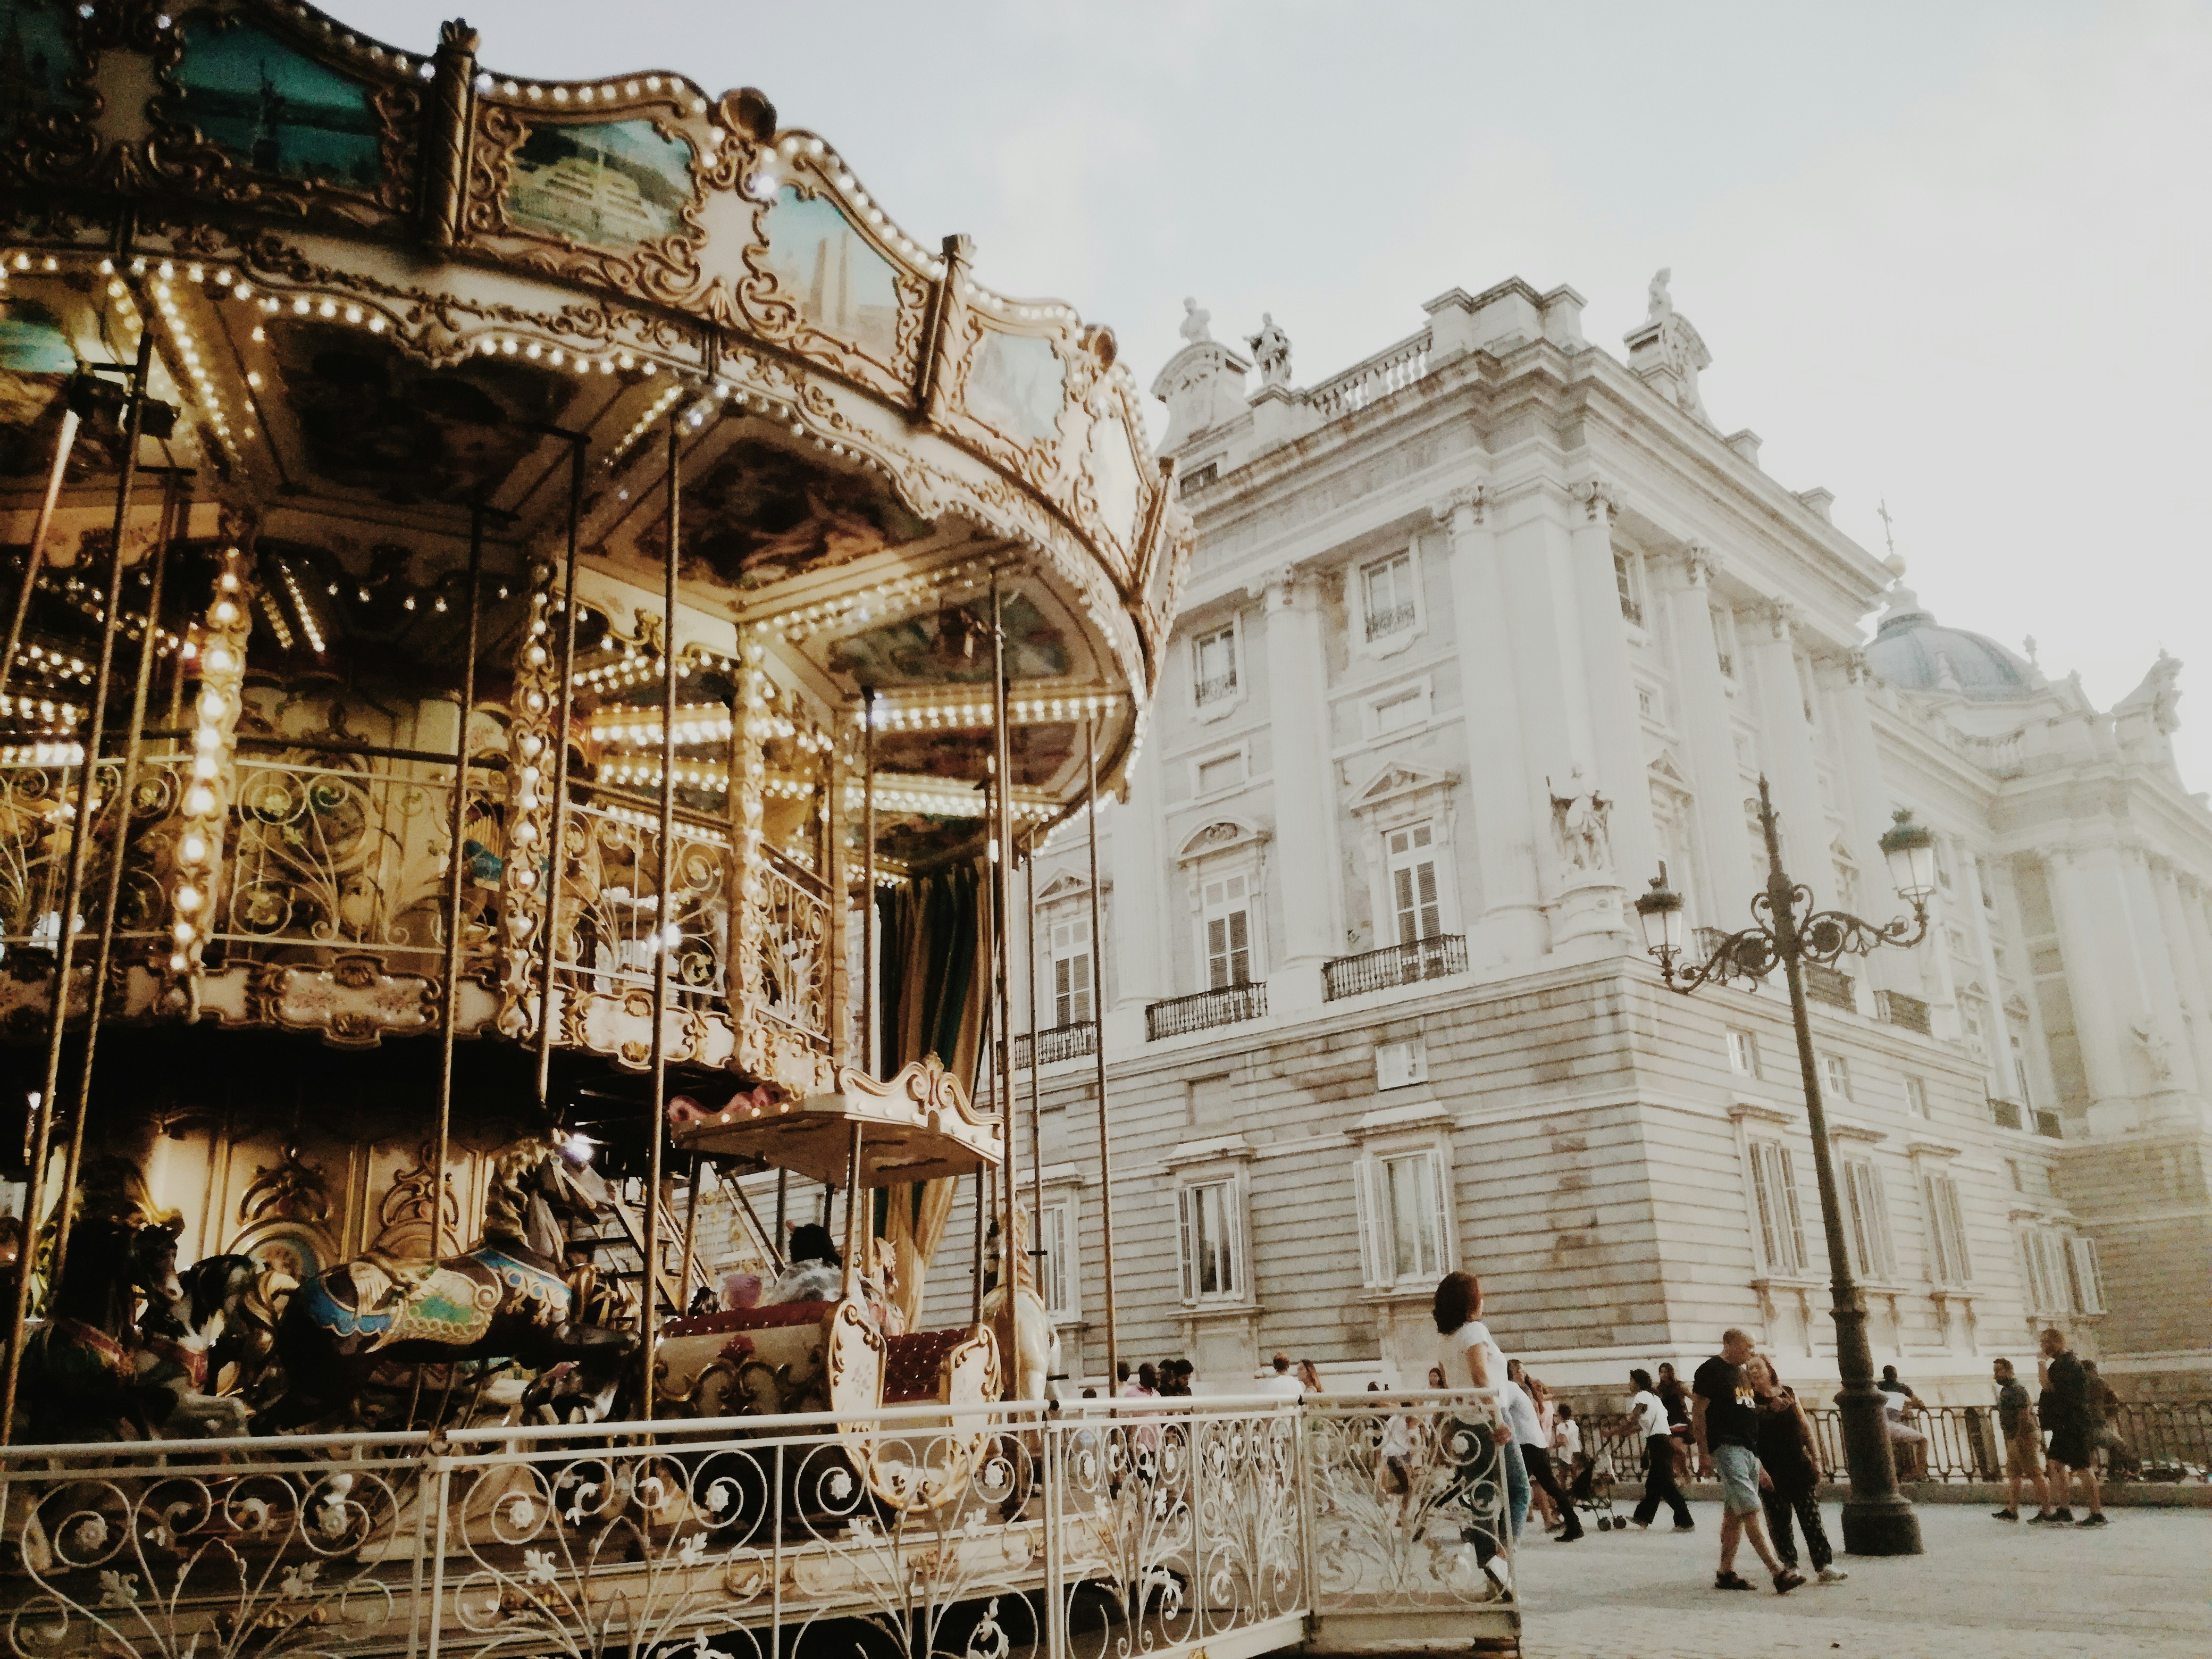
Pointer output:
x,y
540,620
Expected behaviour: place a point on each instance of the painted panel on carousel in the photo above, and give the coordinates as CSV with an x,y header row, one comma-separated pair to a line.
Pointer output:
x,y
608,183
38,59
1019,385
36,360
843,284
370,418
1110,472
1040,753
762,514
952,647
276,110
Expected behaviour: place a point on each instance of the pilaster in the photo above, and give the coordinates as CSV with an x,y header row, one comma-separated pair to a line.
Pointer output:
x,y
1616,724
2104,979
1723,884
1136,855
1786,750
1866,805
1303,876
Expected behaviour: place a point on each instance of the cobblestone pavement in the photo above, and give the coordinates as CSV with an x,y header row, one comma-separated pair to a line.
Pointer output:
x,y
2140,1588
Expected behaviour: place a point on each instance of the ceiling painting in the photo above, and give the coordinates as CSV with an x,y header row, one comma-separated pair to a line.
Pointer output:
x,y
1040,753
952,647
762,514
36,58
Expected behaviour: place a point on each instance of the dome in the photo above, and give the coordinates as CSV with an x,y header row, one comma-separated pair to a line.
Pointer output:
x,y
1911,650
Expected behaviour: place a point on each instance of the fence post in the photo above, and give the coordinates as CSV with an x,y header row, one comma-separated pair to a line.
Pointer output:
x,y
1302,1472
441,1486
1056,1610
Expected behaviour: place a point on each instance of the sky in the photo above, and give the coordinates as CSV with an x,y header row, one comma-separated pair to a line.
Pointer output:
x,y
1940,253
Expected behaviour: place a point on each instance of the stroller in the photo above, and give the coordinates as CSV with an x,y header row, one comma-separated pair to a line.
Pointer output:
x,y
1591,1487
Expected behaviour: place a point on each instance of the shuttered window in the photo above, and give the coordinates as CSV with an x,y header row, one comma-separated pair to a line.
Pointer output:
x,y
1072,972
1227,919
1867,1219
1781,1225
1947,1232
1056,1267
1212,1247
1403,1209
1413,889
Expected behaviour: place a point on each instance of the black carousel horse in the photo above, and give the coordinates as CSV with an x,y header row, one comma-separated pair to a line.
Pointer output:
x,y
506,1300
85,1374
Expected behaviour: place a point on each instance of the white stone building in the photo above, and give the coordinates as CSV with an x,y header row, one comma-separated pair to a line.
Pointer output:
x,y
1477,633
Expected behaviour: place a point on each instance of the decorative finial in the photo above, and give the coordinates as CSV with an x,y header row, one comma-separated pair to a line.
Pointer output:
x,y
2027,645
1889,533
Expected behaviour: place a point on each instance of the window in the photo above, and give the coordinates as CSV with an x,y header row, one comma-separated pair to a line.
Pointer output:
x,y
1866,1228
1916,1096
1220,772
1405,1219
1388,593
1947,1232
1056,1266
1228,926
1072,978
2049,1270
1743,1054
1781,1226
1399,1065
1411,855
1214,665
1624,579
1212,1252
1835,1077
2088,1276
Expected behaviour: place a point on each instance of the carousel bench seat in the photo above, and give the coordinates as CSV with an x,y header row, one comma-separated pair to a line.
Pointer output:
x,y
912,1363
772,1317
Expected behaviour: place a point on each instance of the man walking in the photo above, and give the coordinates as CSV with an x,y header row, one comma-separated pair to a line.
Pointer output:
x,y
2066,1402
1647,1422
1724,1421
2023,1445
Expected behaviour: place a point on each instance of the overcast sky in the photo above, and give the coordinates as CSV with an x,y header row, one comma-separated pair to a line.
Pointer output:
x,y
1939,253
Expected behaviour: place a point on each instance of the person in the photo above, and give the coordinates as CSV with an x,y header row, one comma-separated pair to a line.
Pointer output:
x,y
813,1270
1437,1377
2105,1406
1471,1358
1540,1499
2023,1445
1536,1454
2067,1414
1906,1444
1567,1446
1789,1454
1185,1371
1394,1461
1145,1385
1647,1422
1309,1377
1283,1384
1892,1383
1676,1398
1724,1423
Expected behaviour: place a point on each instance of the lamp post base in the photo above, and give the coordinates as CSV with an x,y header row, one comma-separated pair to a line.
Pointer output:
x,y
1880,1526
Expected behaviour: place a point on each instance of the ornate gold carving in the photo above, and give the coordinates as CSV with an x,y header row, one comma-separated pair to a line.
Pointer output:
x,y
291,1188
529,871
205,821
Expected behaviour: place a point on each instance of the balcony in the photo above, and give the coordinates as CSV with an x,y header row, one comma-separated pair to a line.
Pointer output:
x,y
1230,1005
1824,984
1433,957
1070,1042
1394,619
1899,1009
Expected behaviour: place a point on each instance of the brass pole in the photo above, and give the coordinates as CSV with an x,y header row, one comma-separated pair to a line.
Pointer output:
x,y
852,1263
690,1233
1105,1146
104,951
72,887
63,442
1002,905
1037,1114
548,937
456,882
658,1129
868,1014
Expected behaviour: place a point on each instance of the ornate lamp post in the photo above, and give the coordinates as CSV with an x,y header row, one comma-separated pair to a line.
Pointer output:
x,y
1877,1518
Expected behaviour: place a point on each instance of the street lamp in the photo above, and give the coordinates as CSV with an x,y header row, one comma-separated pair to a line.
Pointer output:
x,y
1787,930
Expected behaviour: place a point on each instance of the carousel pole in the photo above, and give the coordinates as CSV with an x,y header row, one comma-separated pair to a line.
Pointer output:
x,y
868,879
1036,1114
104,951
72,887
449,1015
549,934
663,879
690,1233
1098,1048
64,441
1002,903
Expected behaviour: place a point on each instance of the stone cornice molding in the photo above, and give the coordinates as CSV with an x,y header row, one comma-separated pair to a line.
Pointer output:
x,y
1286,588
1701,565
1753,1111
1933,1151
1784,617
1598,497
1215,1149
1857,1132
1473,499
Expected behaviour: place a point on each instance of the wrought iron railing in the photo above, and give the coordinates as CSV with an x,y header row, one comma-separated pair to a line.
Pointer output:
x,y
38,815
1828,984
1433,957
1057,1043
1229,1006
1168,1527
1899,1009
795,947
612,920
1220,686
1391,619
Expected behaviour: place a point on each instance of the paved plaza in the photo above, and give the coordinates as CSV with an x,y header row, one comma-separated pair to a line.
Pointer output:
x,y
2141,1588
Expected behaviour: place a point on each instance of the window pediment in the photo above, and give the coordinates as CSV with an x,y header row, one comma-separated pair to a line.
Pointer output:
x,y
1401,781
1221,835
1065,885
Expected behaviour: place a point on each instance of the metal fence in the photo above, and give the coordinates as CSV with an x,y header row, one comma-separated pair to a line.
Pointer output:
x,y
1433,957
1156,1525
1057,1043
1229,1006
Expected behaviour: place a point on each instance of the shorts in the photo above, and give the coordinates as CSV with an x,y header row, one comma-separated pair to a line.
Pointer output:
x,y
1738,1468
2071,1445
2024,1452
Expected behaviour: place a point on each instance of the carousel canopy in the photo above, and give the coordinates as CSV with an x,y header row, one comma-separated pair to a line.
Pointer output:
x,y
917,1127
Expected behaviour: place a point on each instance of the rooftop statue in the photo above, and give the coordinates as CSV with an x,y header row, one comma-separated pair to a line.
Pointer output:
x,y
1271,350
1195,321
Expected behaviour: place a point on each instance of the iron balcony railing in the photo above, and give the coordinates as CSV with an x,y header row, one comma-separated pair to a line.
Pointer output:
x,y
1826,984
1899,1009
1059,1042
1230,1005
1219,686
1394,964
1391,619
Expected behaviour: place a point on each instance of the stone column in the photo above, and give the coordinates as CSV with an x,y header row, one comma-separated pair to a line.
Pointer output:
x,y
2089,900
1867,816
1299,867
1616,724
1724,880
2174,908
1509,821
1785,750
1132,858
2197,927
2158,971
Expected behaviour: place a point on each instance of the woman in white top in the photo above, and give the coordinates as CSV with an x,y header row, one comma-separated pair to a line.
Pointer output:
x,y
1647,1417
1472,1358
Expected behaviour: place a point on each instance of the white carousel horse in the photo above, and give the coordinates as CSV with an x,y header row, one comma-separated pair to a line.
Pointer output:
x,y
1033,1344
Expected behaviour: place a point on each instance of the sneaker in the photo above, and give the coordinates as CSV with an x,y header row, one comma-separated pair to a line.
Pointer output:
x,y
1787,1580
2004,1515
1686,1526
2041,1518
2062,1516
2096,1519
1834,1575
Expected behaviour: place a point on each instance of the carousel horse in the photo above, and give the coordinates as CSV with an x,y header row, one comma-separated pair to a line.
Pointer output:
x,y
1034,1349
188,1345
81,1374
506,1299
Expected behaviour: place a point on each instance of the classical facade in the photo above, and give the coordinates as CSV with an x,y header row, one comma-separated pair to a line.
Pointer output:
x,y
1478,635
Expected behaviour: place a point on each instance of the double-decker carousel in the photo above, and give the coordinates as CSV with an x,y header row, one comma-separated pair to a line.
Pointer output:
x,y
519,595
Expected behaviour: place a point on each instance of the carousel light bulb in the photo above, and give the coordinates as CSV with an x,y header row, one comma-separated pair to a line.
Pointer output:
x,y
212,707
188,898
200,802
192,849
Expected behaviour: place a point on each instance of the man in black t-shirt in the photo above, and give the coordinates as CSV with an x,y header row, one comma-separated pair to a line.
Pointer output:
x,y
1725,1418
2067,1414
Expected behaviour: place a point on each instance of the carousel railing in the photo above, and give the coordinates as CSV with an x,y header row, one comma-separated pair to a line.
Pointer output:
x,y
794,955
613,919
1167,1526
